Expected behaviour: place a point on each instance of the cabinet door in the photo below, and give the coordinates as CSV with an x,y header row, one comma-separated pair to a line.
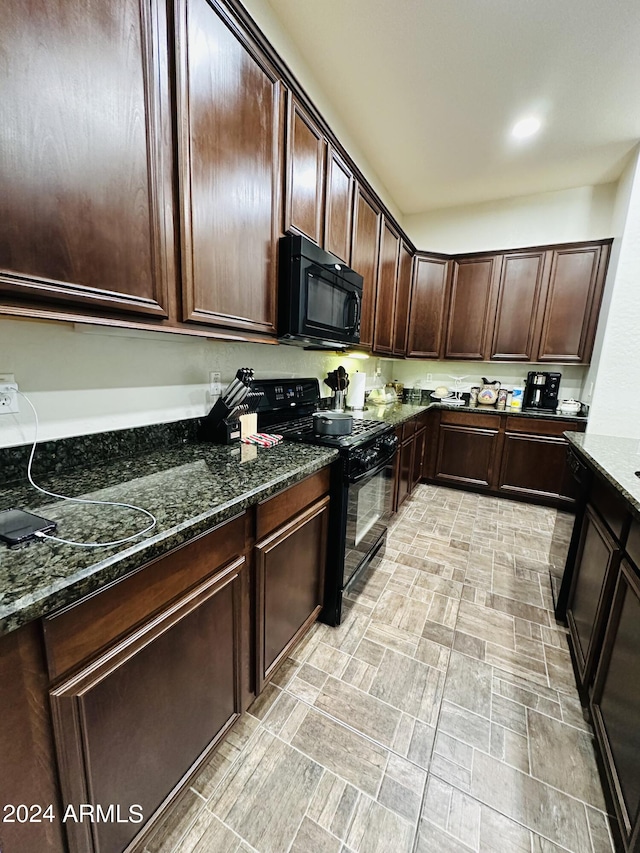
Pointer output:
x,y
27,755
418,457
403,295
229,161
306,151
535,466
85,162
472,307
337,229
136,722
572,303
384,324
364,257
517,326
615,705
405,471
466,455
429,293
590,594
290,566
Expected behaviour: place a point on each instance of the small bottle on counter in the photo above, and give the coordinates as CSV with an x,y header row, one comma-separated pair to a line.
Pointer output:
x,y
473,395
501,402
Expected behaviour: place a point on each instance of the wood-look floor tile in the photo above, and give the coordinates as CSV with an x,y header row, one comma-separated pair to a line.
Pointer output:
x,y
564,757
176,823
468,645
421,745
400,611
227,753
328,659
392,638
217,837
344,752
312,837
486,624
409,685
362,711
464,725
600,831
560,670
433,654
251,802
468,684
544,810
377,829
332,804
517,663
517,608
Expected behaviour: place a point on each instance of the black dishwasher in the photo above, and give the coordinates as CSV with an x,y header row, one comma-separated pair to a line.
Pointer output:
x,y
564,543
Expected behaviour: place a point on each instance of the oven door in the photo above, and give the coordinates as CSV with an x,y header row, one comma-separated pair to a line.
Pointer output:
x,y
369,504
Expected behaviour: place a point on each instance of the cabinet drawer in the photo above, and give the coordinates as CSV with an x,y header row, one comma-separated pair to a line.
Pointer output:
x,y
470,419
539,426
283,506
74,634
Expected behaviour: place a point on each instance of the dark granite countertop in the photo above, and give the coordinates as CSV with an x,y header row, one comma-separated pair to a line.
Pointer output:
x,y
617,459
190,488
397,413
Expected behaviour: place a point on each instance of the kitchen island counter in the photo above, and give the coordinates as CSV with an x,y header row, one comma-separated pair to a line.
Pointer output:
x,y
189,488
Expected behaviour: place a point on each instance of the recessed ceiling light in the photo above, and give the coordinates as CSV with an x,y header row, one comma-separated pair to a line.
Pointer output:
x,y
526,127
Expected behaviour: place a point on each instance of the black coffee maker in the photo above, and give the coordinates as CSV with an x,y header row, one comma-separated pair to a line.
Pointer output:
x,y
541,391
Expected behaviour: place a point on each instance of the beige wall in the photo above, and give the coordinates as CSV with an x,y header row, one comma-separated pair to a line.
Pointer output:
x,y
569,215
615,369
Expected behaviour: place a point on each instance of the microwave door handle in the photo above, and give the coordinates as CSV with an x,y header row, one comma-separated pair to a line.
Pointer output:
x,y
356,320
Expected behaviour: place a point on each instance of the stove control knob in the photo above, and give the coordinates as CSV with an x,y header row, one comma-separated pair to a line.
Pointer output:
x,y
389,442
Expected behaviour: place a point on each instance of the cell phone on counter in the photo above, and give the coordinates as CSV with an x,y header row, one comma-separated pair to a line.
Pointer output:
x,y
18,526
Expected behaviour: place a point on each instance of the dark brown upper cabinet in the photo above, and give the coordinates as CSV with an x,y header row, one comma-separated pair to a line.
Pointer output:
x,y
365,248
230,171
403,296
429,294
472,310
384,324
306,153
516,331
338,206
85,207
572,302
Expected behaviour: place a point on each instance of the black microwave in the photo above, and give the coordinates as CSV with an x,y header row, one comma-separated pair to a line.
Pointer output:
x,y
319,297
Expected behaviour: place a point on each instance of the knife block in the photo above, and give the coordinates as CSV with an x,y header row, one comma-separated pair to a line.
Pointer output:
x,y
216,427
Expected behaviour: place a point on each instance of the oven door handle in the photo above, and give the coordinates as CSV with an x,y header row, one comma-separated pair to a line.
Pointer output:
x,y
373,471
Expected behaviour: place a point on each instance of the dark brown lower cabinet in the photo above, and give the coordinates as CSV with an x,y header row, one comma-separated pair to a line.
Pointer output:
x,y
404,467
536,465
131,726
466,454
507,455
27,754
595,571
419,443
615,705
290,565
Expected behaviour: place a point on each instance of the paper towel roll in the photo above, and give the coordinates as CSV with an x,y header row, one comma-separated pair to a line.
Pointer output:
x,y
356,390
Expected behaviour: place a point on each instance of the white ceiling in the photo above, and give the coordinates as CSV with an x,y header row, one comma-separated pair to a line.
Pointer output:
x,y
429,90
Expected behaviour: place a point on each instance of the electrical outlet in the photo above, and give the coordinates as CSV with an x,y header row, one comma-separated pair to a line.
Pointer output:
x,y
215,384
9,399
429,377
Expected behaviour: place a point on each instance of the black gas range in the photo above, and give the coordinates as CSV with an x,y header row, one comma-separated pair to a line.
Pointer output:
x,y
361,481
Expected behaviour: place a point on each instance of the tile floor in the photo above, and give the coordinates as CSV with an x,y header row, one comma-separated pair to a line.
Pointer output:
x,y
440,717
